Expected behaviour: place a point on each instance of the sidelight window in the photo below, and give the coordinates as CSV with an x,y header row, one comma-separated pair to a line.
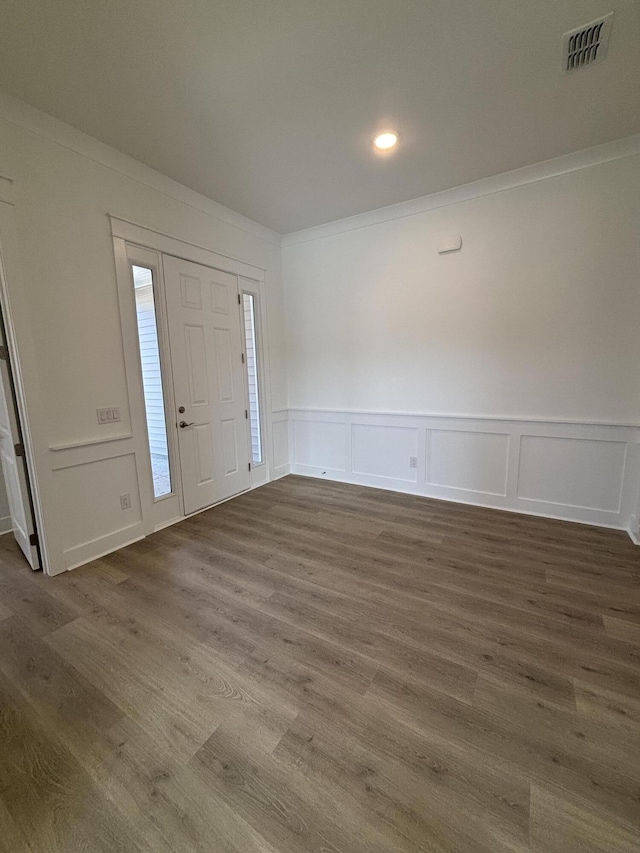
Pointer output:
x,y
249,306
152,379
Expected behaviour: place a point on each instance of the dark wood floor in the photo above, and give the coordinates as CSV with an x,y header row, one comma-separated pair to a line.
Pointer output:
x,y
322,667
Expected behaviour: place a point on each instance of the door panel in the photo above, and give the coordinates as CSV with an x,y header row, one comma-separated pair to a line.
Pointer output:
x,y
205,335
230,446
220,299
224,363
191,292
14,471
12,485
204,455
196,354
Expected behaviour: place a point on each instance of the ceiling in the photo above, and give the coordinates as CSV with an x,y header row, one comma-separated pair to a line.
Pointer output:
x,y
269,106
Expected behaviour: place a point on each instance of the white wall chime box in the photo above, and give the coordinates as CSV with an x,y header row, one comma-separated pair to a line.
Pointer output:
x,y
452,243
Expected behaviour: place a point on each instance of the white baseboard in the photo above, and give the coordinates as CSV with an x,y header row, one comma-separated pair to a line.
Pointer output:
x,y
6,525
103,545
169,523
456,500
582,472
280,471
93,549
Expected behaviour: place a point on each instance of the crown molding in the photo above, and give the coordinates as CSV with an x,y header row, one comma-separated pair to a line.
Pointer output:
x,y
588,157
28,118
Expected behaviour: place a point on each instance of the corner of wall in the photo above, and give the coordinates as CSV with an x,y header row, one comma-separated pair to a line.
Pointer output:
x,y
280,427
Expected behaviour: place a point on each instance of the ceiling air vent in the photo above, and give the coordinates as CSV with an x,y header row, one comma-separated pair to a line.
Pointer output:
x,y
586,45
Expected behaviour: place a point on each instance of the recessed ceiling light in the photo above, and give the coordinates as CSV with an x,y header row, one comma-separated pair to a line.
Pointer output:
x,y
386,140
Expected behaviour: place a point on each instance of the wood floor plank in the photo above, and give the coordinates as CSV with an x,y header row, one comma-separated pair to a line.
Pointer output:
x,y
144,685
175,810
76,710
611,723
48,795
622,629
563,824
12,840
33,602
379,763
512,737
272,802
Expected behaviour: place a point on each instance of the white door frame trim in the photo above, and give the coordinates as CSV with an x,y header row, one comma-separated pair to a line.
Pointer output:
x,y
129,237
261,472
169,245
15,310
155,512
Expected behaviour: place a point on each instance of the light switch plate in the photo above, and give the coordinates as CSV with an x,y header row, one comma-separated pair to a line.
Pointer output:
x,y
108,416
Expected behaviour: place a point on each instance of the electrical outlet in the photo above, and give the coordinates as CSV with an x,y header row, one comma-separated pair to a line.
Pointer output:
x,y
125,501
108,416
413,462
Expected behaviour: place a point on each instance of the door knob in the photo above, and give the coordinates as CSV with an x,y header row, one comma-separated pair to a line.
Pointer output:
x,y
184,424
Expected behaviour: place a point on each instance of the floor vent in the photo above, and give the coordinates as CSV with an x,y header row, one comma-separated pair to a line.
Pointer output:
x,y
586,45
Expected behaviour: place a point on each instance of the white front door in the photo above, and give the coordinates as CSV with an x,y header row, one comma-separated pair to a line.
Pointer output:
x,y
14,469
207,361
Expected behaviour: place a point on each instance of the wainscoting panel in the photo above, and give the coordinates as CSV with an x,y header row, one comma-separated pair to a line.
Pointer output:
x,y
585,472
385,451
593,471
320,444
95,523
471,461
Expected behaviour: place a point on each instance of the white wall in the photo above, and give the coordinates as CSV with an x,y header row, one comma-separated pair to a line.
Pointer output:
x,y
65,185
536,317
535,321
